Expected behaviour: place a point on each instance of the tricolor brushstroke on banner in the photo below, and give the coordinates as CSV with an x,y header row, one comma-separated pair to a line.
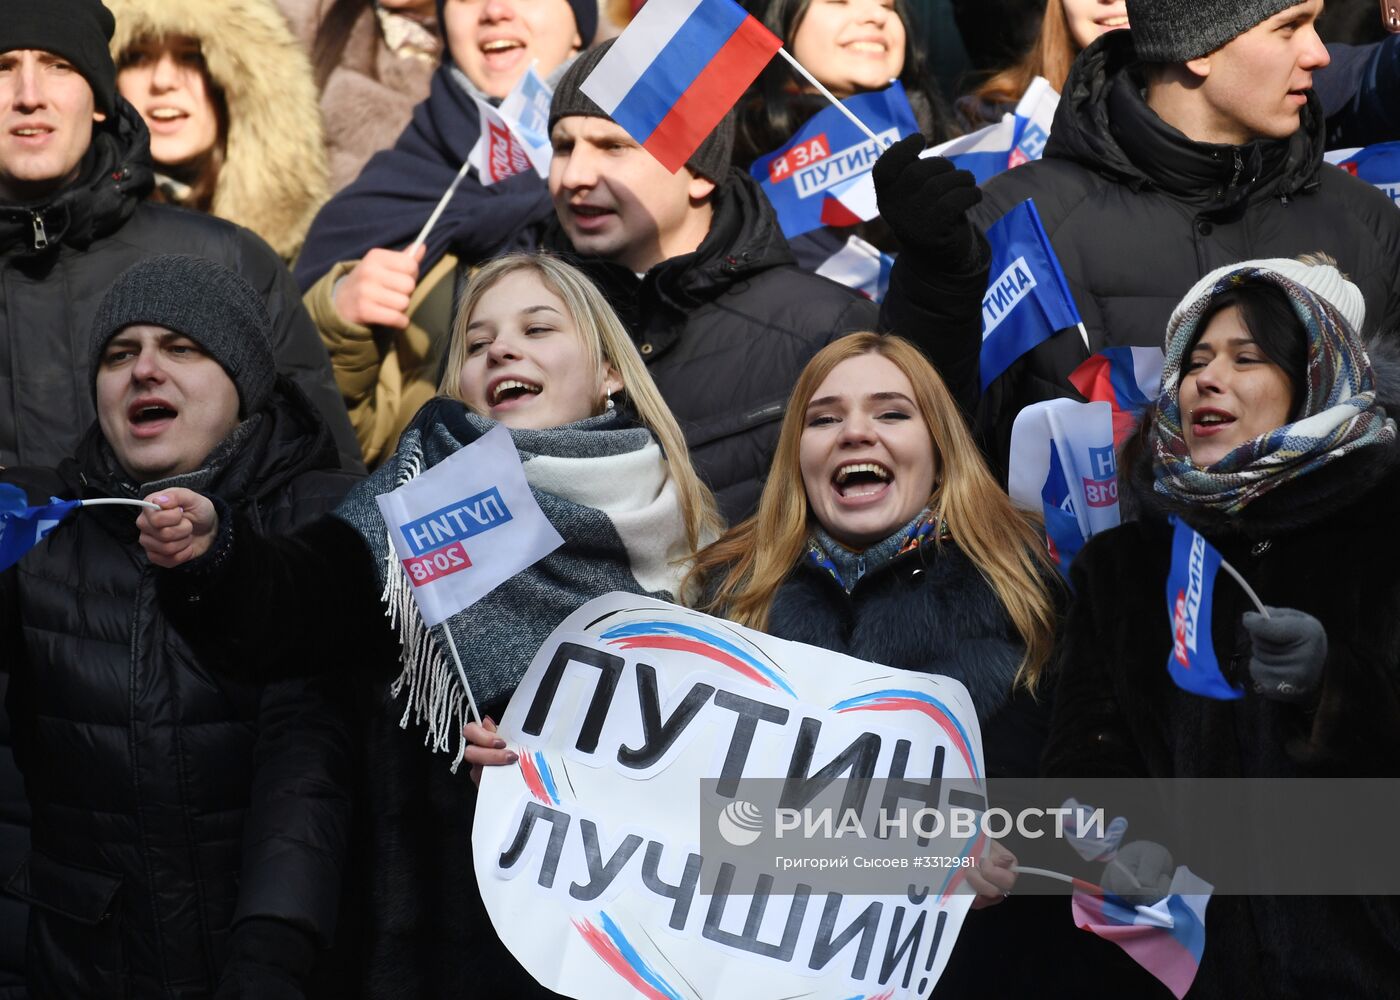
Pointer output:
x,y
612,946
677,70
900,700
702,642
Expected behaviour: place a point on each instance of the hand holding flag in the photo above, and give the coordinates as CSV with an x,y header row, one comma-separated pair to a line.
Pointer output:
x,y
179,527
22,527
926,201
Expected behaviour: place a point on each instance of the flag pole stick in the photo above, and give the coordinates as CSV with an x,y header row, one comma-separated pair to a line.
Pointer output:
x,y
462,673
1078,883
830,96
1249,591
118,501
441,206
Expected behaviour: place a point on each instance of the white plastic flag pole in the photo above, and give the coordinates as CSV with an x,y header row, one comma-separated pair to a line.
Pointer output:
x,y
118,502
462,673
830,96
1249,591
441,205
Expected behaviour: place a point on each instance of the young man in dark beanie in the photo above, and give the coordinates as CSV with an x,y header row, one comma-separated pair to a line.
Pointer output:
x,y
1190,141
74,168
189,831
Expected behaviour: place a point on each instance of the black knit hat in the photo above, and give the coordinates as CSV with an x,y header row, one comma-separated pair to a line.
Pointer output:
x,y
1175,31
206,302
585,18
77,30
710,160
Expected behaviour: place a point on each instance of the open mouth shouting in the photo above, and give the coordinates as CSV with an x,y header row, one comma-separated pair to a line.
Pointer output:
x,y
1208,421
509,393
165,120
861,482
149,416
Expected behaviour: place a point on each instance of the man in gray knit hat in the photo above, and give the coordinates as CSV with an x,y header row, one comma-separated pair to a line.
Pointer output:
x,y
1190,141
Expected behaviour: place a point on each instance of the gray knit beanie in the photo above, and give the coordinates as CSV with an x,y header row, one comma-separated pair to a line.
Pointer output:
x,y
205,301
1174,31
710,160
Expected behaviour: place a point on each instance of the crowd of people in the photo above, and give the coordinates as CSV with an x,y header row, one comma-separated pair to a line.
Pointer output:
x,y
239,743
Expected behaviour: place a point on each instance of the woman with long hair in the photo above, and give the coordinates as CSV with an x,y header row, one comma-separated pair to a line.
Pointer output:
x,y
537,349
1273,437
881,534
228,100
1066,29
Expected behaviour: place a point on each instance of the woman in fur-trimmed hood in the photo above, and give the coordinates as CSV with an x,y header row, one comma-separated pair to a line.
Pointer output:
x,y
229,100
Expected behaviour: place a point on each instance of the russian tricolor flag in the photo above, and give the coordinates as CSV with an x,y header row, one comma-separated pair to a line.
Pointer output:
x,y
677,70
1128,379
1167,939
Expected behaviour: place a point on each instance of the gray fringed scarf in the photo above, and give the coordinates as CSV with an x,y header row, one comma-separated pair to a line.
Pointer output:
x,y
602,483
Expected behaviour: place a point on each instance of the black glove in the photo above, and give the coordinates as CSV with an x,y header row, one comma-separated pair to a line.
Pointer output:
x,y
925,203
1290,648
269,960
1141,873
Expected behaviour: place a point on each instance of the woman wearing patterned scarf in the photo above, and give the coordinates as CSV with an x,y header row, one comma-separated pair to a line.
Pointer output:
x,y
536,348
1271,439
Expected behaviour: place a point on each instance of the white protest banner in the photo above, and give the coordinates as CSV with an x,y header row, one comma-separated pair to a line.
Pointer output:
x,y
526,111
638,727
466,526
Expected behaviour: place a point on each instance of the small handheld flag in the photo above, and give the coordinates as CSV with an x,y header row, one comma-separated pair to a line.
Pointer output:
x,y
1127,378
1167,938
677,70
828,152
860,266
1378,165
22,527
464,527
1028,299
1190,592
498,154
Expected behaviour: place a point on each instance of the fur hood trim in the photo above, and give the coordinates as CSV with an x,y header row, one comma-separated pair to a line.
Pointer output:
x,y
274,177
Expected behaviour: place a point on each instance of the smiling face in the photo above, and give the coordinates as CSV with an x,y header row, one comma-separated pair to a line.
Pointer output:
x,y
615,200
495,41
163,404
527,363
46,116
851,45
1255,86
1088,19
166,81
866,453
1230,391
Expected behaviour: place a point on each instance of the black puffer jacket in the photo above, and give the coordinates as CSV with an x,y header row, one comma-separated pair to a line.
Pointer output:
x,y
56,261
1324,544
1138,213
168,802
725,331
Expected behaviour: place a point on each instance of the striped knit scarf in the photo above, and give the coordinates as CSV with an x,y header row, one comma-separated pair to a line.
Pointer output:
x,y
1340,413
603,484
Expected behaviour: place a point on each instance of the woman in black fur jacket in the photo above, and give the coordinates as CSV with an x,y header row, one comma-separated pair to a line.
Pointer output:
x,y
1269,439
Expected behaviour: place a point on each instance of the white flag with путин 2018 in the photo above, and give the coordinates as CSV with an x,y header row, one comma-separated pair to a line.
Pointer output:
x,y
466,526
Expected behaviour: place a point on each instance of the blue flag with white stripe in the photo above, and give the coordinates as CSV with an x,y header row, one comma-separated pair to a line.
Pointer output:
x,y
1028,299
1190,591
22,526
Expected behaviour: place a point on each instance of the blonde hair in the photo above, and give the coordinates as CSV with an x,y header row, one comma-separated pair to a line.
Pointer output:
x,y
1051,56
743,570
608,343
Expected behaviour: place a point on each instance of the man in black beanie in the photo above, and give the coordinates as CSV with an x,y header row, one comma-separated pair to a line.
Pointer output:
x,y
74,167
189,830
1190,141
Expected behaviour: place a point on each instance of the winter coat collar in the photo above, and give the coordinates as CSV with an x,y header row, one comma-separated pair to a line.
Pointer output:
x,y
1103,122
847,567
115,174
274,176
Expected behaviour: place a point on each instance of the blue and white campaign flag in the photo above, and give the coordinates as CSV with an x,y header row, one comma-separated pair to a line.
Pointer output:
x,y
466,526
829,151
526,110
1018,138
1378,165
1063,463
1190,591
1028,299
22,527
860,266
